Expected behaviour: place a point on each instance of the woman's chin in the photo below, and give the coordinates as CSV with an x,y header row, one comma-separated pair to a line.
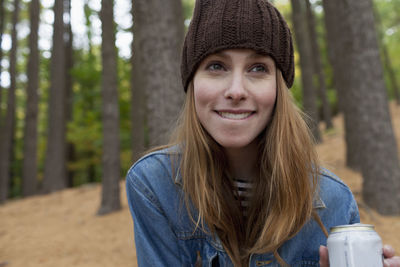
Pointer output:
x,y
235,144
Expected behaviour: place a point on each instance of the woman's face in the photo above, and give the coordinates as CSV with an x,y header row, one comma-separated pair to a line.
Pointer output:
x,y
235,93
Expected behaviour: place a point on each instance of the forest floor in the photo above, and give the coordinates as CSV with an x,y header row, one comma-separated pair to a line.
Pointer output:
x,y
62,229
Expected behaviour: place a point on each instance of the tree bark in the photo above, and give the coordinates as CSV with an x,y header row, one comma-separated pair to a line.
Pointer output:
x,y
363,94
2,15
29,171
318,67
110,199
336,14
304,46
55,162
159,37
88,12
138,98
69,63
7,135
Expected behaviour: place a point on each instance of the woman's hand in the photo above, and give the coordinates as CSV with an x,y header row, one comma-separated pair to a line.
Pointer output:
x,y
388,252
323,256
390,259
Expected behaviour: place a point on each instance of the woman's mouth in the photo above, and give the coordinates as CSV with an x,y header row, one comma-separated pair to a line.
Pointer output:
x,y
235,115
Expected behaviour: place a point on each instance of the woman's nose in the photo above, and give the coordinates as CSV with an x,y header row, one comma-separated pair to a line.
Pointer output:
x,y
236,89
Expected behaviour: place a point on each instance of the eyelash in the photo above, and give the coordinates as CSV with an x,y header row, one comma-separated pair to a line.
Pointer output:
x,y
211,67
265,69
213,64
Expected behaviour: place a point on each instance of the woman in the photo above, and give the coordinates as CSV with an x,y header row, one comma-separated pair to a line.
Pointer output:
x,y
240,184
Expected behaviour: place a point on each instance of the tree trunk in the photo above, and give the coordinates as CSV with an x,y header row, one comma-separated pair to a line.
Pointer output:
x,y
159,37
2,15
69,63
357,46
7,135
110,199
55,163
336,14
138,98
318,67
29,171
88,12
303,44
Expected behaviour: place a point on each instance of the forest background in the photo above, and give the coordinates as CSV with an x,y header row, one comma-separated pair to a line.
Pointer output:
x,y
102,89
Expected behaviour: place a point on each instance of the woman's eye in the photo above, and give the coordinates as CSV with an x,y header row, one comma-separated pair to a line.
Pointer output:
x,y
215,67
258,68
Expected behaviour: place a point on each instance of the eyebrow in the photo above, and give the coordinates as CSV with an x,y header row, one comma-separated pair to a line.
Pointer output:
x,y
221,54
258,55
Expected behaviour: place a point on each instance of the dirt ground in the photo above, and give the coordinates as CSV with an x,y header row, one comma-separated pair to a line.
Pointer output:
x,y
62,229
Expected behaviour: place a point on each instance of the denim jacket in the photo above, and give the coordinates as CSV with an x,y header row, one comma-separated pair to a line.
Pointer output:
x,y
165,236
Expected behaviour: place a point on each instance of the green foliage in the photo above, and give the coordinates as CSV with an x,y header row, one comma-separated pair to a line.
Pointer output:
x,y
17,157
124,90
389,27
188,6
297,92
44,84
85,129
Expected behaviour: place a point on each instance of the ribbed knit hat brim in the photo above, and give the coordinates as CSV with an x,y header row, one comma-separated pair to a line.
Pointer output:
x,y
226,24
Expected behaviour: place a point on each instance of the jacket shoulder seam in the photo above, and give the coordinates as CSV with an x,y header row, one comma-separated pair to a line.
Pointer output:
x,y
333,177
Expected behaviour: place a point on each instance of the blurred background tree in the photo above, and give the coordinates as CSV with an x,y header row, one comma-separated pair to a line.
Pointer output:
x,y
2,19
149,36
29,171
55,169
358,72
302,37
110,199
7,148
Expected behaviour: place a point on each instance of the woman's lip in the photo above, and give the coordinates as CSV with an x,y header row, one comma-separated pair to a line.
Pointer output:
x,y
235,111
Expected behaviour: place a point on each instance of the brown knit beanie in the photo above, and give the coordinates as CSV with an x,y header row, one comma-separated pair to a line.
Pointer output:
x,y
226,24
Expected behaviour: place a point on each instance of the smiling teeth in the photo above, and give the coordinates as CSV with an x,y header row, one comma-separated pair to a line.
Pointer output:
x,y
234,116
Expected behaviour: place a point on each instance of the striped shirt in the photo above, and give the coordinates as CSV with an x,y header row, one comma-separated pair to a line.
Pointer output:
x,y
242,189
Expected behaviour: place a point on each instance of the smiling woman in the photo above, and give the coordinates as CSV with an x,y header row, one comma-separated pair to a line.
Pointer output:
x,y
235,95
241,161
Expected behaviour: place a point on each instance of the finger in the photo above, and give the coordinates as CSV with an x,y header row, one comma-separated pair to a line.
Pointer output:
x,y
388,251
323,256
392,262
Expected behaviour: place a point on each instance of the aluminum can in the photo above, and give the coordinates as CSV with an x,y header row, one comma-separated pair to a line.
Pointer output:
x,y
355,245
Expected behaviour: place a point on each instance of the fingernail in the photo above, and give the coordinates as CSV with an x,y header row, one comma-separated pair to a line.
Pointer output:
x,y
389,248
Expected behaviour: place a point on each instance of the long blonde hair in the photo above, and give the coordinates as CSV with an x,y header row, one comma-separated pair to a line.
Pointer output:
x,y
282,198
